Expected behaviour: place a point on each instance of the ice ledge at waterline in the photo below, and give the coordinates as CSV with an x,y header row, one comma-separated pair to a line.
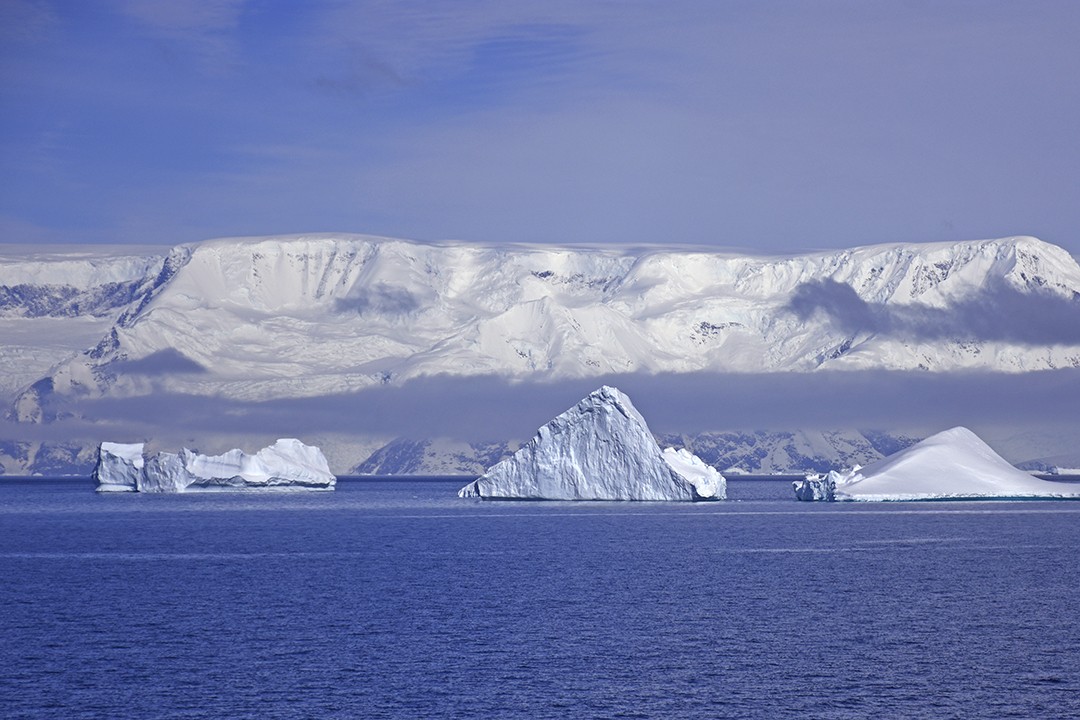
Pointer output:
x,y
600,449
288,464
954,464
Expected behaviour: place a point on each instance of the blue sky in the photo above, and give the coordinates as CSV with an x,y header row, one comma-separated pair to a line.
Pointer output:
x,y
775,126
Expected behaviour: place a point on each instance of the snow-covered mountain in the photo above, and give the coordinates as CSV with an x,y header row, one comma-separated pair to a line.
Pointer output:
x,y
434,456
254,319
57,302
734,453
798,451
259,319
48,459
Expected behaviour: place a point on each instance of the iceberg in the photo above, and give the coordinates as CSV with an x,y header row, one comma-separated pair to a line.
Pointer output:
x,y
708,483
954,464
288,464
600,449
119,467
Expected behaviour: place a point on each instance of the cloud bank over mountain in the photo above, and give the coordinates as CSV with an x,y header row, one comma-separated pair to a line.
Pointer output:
x,y
376,338
995,312
490,408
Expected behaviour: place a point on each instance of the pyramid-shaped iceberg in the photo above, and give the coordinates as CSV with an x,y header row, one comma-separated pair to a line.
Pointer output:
x,y
600,449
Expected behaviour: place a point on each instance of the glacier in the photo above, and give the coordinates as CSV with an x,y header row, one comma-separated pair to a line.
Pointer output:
x,y
600,449
953,464
288,464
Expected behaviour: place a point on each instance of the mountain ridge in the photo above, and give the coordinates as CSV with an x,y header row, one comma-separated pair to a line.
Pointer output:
x,y
255,320
311,315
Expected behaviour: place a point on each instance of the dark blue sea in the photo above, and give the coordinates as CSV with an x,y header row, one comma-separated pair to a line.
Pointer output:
x,y
398,600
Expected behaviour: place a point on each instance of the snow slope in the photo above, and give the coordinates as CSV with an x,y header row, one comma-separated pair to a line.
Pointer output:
x,y
59,301
253,319
952,464
600,449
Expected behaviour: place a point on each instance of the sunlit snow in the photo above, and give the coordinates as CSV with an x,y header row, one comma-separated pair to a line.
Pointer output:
x,y
952,464
600,449
288,464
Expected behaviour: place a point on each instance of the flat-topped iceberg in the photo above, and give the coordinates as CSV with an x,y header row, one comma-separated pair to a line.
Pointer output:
x,y
288,464
600,449
954,464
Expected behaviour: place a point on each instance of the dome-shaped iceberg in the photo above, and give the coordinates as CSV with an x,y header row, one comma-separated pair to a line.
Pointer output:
x,y
954,464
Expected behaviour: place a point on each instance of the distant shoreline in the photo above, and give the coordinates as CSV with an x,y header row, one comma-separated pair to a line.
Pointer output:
x,y
786,477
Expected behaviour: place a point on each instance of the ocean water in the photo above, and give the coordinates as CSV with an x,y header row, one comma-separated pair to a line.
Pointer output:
x,y
398,600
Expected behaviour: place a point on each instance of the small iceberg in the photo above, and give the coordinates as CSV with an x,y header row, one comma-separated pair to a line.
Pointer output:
x,y
954,464
288,464
600,449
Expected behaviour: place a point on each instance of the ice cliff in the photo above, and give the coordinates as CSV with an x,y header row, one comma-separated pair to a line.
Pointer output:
x,y
600,449
288,464
120,467
953,464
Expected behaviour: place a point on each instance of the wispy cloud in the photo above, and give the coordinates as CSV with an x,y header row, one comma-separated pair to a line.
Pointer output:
x,y
412,39
184,19
580,120
205,27
997,312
